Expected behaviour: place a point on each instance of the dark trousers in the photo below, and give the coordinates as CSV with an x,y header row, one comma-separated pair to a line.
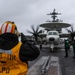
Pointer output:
x,y
66,52
40,46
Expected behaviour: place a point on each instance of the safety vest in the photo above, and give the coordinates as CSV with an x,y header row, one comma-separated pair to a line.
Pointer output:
x,y
10,64
67,44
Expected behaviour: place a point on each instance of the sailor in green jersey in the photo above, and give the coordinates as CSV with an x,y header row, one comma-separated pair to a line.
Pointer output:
x,y
67,46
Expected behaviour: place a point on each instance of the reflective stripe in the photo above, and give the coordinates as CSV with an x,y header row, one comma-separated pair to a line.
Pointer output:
x,y
6,51
9,28
3,27
12,29
6,28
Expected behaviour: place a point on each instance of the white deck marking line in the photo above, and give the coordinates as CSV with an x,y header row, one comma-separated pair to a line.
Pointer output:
x,y
34,69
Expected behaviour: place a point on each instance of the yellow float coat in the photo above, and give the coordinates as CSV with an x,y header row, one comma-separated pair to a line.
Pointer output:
x,y
10,64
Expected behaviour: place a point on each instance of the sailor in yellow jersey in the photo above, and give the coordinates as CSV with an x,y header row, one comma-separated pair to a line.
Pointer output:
x,y
14,55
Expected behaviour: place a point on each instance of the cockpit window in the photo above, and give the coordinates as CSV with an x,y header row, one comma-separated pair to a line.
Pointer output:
x,y
50,33
54,33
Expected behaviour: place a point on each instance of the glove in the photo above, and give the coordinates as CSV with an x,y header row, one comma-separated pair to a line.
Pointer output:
x,y
23,38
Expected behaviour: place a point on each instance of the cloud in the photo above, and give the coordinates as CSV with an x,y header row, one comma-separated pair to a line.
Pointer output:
x,y
27,12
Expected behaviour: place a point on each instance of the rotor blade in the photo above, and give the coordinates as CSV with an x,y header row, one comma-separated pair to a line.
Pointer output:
x,y
72,28
33,28
37,28
40,31
29,32
69,31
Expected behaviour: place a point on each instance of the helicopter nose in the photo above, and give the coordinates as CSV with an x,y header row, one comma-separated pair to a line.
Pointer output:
x,y
51,39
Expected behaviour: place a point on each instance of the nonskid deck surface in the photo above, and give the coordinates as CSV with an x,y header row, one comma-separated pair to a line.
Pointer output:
x,y
46,65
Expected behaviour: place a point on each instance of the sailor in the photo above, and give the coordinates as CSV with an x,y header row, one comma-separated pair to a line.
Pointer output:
x,y
14,55
67,46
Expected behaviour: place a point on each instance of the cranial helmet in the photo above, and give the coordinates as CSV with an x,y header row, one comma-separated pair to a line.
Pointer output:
x,y
8,27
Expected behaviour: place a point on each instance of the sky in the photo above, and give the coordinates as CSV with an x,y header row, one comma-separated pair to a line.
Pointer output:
x,y
34,12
